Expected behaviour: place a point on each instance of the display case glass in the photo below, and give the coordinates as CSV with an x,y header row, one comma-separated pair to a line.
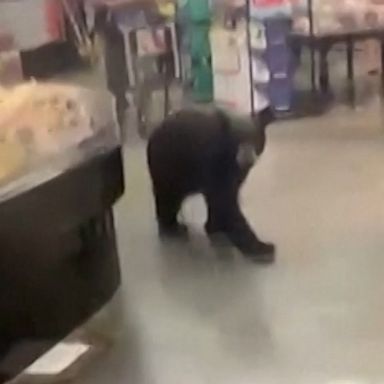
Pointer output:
x,y
338,17
48,128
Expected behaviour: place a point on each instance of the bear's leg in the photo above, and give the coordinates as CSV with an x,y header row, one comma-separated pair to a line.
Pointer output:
x,y
243,237
167,208
225,217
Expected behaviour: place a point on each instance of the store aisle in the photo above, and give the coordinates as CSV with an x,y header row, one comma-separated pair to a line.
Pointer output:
x,y
193,316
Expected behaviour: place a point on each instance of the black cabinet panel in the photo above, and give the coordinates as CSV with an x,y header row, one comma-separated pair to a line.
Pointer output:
x,y
58,257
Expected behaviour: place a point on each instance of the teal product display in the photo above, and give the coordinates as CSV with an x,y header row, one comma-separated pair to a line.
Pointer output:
x,y
199,42
201,60
194,11
202,81
198,11
196,17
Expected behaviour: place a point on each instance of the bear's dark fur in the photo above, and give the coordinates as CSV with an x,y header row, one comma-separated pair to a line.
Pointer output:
x,y
198,152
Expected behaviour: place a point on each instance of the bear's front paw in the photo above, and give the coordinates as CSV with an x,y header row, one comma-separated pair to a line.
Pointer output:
x,y
259,252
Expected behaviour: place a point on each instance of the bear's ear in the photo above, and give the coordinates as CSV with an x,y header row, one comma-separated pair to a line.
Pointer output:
x,y
264,117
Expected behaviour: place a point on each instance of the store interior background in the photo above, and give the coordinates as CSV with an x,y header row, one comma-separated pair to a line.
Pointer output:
x,y
188,313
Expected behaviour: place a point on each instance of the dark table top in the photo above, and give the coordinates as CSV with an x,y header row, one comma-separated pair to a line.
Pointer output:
x,y
334,38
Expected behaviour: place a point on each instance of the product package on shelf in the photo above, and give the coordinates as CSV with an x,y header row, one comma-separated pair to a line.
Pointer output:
x,y
280,62
196,11
263,9
195,17
167,8
261,74
47,128
151,42
231,71
221,9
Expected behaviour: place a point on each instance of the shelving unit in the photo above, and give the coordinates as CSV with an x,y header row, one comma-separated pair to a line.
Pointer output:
x,y
277,56
265,63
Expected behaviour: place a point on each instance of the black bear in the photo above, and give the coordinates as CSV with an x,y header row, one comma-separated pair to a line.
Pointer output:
x,y
208,152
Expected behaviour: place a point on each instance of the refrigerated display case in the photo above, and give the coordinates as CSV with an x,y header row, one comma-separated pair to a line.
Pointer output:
x,y
60,175
346,16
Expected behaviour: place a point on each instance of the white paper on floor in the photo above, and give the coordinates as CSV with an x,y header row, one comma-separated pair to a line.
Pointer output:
x,y
58,359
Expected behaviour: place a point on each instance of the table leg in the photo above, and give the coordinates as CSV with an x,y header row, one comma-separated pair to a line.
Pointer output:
x,y
128,53
350,71
313,67
324,70
350,57
382,65
175,50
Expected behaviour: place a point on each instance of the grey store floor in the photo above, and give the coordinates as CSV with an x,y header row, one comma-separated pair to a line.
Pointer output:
x,y
316,316
191,316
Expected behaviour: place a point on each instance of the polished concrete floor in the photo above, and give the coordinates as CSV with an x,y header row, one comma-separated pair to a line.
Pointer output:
x,y
193,314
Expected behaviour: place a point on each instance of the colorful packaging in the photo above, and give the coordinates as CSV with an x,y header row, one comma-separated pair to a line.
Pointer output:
x,y
263,9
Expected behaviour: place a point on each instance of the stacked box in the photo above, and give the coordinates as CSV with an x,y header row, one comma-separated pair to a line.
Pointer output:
x,y
280,61
273,66
276,16
260,72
